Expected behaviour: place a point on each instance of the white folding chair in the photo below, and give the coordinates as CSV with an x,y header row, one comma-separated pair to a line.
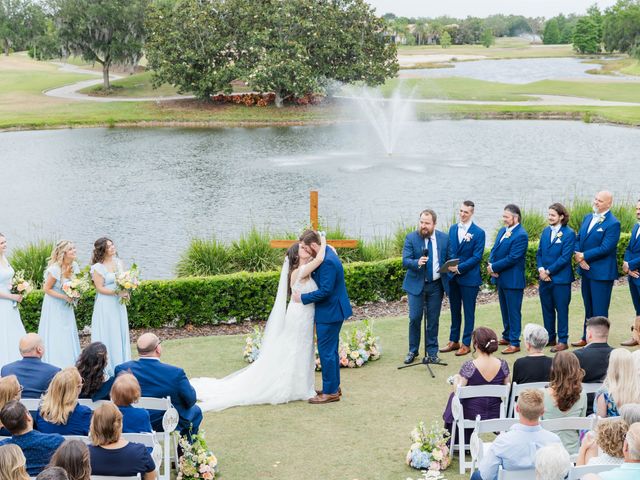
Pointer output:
x,y
84,439
103,477
169,423
517,389
575,473
460,423
591,387
148,440
87,402
32,404
569,423
516,474
476,445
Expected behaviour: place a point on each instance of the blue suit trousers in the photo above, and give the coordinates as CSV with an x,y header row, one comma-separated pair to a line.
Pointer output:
x,y
328,339
427,305
462,297
596,295
555,300
511,310
635,296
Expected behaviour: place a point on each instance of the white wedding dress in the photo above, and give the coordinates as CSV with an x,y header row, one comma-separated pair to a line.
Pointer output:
x,y
284,370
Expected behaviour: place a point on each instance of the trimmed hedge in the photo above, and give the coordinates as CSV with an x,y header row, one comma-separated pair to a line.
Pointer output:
x,y
241,296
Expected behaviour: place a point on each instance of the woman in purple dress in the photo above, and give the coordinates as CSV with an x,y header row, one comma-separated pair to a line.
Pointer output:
x,y
485,369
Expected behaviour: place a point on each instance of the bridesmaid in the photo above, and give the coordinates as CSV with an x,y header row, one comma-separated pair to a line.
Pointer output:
x,y
10,323
58,327
109,323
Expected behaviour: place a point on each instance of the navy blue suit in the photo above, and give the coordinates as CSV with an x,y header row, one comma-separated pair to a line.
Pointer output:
x,y
160,380
555,296
632,257
464,287
599,248
425,295
507,259
332,307
33,374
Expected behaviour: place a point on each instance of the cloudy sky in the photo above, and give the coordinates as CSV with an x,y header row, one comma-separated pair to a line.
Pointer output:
x,y
483,8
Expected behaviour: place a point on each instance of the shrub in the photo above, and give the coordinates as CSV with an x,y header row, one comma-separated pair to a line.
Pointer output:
x,y
534,223
204,258
32,259
253,253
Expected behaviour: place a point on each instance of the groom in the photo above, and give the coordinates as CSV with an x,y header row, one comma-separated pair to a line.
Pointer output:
x,y
332,308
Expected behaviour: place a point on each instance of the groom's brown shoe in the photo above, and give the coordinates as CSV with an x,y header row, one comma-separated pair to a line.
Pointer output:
x,y
319,392
323,398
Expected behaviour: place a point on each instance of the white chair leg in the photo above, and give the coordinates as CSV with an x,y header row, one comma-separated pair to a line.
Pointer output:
x,y
461,452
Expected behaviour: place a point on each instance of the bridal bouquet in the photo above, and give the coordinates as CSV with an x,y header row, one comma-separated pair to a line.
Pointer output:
x,y
127,281
359,347
20,286
252,345
76,288
429,449
197,461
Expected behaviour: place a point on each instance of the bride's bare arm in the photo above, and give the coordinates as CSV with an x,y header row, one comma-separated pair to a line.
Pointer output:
x,y
315,263
293,278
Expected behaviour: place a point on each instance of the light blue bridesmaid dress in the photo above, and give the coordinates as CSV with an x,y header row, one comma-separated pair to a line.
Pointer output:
x,y
109,323
11,327
58,327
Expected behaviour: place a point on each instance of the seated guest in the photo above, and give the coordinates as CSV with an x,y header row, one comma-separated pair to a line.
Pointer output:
x,y
552,463
111,455
160,380
622,384
630,413
630,469
53,473
535,367
594,358
125,392
37,447
73,457
33,374
91,364
9,390
604,447
516,449
60,411
485,369
12,463
564,397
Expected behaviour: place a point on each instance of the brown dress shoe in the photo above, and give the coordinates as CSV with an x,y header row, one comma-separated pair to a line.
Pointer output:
x,y
580,343
552,344
451,346
510,349
323,398
319,392
502,341
463,350
559,347
629,343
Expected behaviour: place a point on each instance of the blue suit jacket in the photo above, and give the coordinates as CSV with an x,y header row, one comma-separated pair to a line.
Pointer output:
x,y
469,252
508,258
599,247
33,374
556,257
160,380
414,245
632,253
331,298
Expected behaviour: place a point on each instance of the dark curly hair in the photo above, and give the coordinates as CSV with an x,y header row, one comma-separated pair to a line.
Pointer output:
x,y
294,262
91,364
100,250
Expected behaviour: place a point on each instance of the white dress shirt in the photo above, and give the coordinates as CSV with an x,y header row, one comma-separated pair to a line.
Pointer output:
x,y
509,229
595,218
554,232
463,228
434,253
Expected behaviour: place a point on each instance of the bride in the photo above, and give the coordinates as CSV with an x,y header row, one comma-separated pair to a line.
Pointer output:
x,y
284,371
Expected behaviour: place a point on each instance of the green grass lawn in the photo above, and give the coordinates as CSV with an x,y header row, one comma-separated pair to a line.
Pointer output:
x,y
136,86
364,436
503,48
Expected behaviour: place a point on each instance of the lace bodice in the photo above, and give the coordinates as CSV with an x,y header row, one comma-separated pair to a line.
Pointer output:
x,y
304,286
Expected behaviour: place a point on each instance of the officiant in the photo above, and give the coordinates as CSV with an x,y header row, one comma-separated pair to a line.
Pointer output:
x,y
425,251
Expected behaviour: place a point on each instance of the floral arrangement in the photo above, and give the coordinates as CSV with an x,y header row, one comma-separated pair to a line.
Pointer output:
x,y
19,285
429,449
127,281
76,288
359,347
252,345
197,461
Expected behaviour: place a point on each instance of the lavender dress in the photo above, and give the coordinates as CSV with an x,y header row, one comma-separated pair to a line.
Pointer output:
x,y
486,407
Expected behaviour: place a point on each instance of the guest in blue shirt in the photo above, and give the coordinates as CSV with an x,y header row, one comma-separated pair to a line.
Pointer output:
x,y
33,374
112,455
125,392
91,364
630,469
516,449
60,411
9,390
37,447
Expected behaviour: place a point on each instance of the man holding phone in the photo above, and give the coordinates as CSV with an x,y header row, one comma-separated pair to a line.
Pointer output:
x,y
424,252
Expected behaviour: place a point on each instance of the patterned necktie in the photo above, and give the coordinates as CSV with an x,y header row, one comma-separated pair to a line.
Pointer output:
x,y
430,261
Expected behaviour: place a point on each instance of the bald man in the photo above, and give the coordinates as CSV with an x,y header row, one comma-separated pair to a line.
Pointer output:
x,y
160,380
33,374
596,248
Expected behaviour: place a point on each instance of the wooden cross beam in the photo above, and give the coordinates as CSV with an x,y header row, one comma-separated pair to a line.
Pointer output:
x,y
313,215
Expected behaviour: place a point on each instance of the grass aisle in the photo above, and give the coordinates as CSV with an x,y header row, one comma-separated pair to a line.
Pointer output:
x,y
364,436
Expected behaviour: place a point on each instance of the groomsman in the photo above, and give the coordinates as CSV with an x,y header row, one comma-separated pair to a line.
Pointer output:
x,y
553,259
424,252
466,243
506,267
595,254
631,267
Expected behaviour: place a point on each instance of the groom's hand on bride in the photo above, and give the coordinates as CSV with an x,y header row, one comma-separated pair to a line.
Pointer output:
x,y
296,297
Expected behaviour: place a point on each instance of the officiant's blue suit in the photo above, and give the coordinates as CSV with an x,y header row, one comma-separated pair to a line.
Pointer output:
x,y
464,286
555,256
425,295
599,246
332,307
632,257
507,259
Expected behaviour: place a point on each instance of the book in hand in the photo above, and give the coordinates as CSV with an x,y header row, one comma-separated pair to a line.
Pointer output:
x,y
449,263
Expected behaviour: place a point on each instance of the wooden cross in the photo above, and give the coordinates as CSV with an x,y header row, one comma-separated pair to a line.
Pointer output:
x,y
313,215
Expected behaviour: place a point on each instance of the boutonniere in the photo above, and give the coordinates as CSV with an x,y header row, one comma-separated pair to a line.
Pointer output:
x,y
601,219
507,234
559,235
468,237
